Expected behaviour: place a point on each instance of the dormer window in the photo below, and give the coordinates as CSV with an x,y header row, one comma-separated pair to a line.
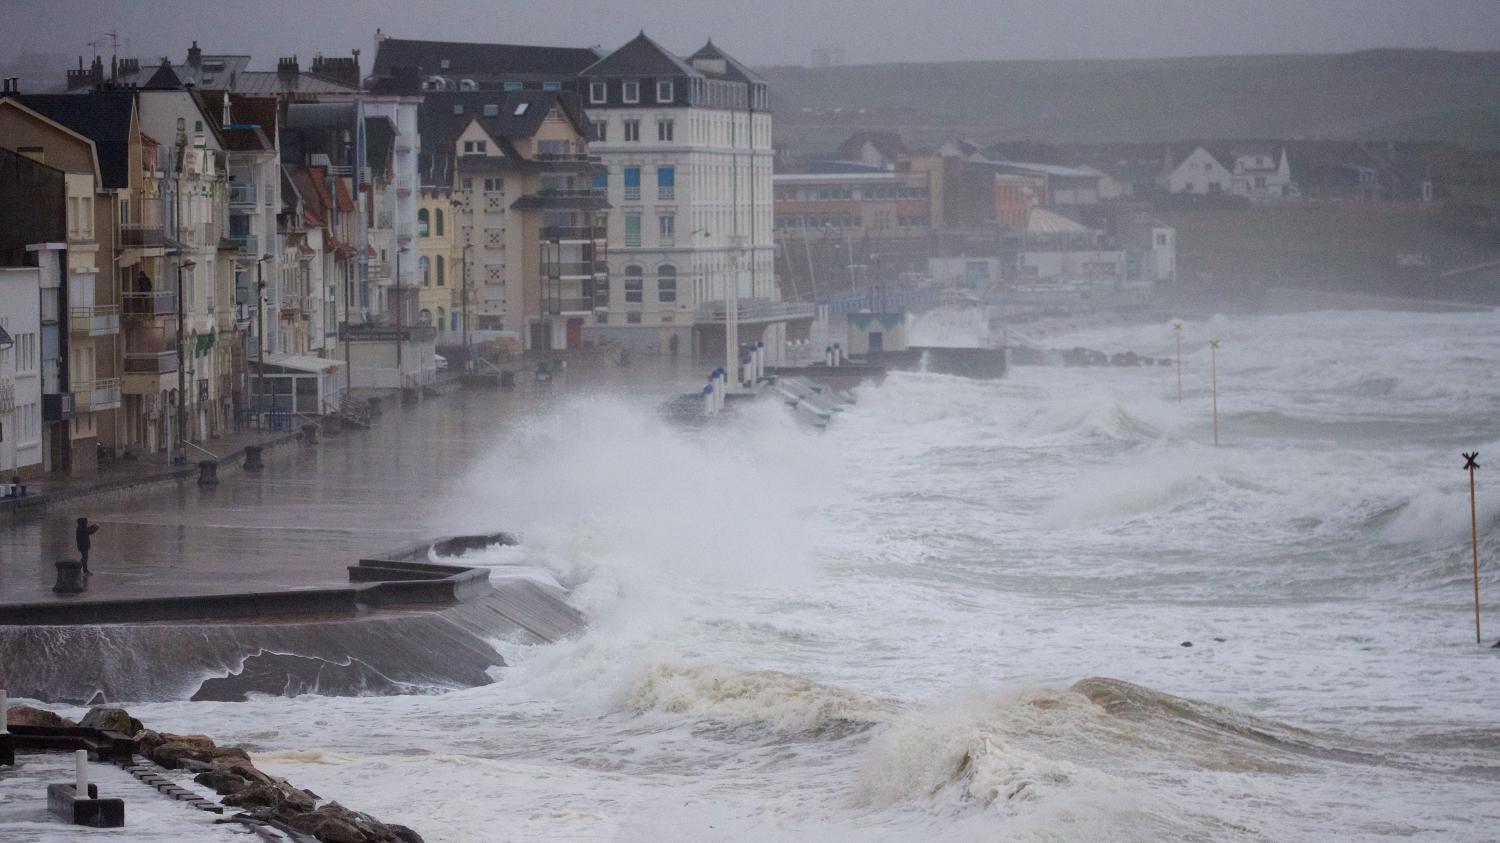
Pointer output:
x,y
492,110
598,92
521,108
458,108
444,64
664,90
630,91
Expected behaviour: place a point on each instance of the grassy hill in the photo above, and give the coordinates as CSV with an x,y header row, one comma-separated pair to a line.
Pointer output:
x,y
1416,93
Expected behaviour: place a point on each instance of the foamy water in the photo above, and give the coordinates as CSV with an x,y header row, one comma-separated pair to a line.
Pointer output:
x,y
891,630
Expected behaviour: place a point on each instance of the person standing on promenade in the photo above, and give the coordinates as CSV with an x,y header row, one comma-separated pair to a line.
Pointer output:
x,y
82,534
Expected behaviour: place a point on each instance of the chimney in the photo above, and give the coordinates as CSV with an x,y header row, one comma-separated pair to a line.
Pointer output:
x,y
287,67
130,67
195,56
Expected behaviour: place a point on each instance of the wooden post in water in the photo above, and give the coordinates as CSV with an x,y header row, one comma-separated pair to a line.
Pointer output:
x,y
1213,358
1177,329
1471,466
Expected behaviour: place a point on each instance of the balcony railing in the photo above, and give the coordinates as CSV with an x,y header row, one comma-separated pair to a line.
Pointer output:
x,y
95,321
569,305
142,234
666,191
242,194
568,157
570,269
757,311
101,394
403,184
387,333
249,244
150,363
150,305
632,193
573,232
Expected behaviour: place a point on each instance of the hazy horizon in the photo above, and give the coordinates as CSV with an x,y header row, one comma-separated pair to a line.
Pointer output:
x,y
772,33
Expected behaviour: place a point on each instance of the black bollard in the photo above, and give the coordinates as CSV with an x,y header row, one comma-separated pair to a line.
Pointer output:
x,y
208,473
69,577
252,458
374,407
310,433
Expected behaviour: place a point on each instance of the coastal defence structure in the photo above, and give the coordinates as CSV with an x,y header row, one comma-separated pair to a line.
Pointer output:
x,y
398,626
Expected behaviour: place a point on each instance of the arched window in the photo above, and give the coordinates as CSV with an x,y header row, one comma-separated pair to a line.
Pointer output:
x,y
442,320
666,284
425,266
422,222
634,282
437,219
425,317
441,281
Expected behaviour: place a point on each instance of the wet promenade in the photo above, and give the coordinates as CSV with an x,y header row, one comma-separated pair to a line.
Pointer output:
x,y
312,511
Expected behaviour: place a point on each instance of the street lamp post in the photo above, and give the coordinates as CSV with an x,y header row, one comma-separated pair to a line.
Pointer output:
x,y
182,359
260,342
400,368
463,317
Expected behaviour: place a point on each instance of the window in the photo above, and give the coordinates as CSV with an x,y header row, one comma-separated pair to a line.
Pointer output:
x,y
601,130
513,86
632,183
634,284
666,183
458,108
552,86
553,147
598,92
475,147
424,266
666,226
492,110
632,130
633,317
664,130
442,318
633,231
601,182
438,222
521,108
495,185
1161,239
468,183
630,91
666,284
441,281
664,91
422,222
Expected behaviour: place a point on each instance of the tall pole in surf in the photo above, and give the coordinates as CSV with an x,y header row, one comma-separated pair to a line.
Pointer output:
x,y
1177,329
1213,358
1471,466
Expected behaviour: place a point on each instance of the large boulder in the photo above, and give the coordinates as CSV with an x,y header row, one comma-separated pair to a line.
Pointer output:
x,y
173,754
222,781
282,799
242,768
25,715
404,834
147,740
233,753
110,719
329,828
202,742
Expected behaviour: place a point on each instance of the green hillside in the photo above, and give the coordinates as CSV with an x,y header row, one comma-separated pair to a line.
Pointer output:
x,y
1352,95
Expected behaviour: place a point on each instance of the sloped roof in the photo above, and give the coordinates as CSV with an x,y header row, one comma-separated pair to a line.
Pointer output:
x,y
640,56
888,144
101,116
164,79
732,67
253,126
1043,221
440,128
471,60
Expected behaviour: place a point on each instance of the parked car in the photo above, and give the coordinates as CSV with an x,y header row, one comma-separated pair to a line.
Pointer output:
x,y
441,361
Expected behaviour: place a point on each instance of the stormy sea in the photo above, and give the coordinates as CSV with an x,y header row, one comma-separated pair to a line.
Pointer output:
x,y
1040,608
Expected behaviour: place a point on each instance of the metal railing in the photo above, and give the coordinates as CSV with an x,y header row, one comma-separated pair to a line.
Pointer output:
x,y
666,191
754,311
569,269
142,234
632,193
99,394
242,194
570,305
150,362
573,232
568,156
403,184
145,305
248,243
387,333
94,321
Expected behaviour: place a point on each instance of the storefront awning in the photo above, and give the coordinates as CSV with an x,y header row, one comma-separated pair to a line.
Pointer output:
x,y
294,363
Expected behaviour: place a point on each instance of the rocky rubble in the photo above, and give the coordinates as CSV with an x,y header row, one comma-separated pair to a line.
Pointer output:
x,y
229,772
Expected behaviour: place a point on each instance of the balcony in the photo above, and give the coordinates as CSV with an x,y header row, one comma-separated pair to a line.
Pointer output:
x,y
585,233
570,269
666,192
101,394
633,193
248,243
242,195
149,305
403,185
96,321
142,235
148,361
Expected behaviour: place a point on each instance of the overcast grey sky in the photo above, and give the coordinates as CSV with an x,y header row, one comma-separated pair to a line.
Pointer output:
x,y
763,32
